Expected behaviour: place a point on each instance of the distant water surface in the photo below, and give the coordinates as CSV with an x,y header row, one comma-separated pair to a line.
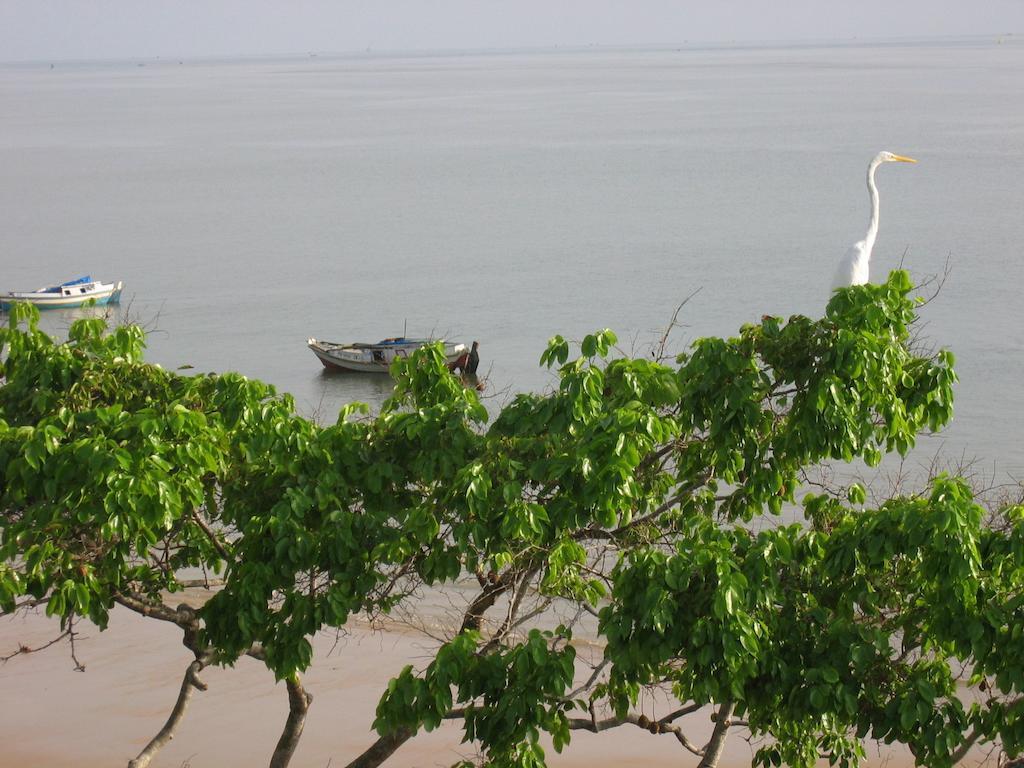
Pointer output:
x,y
250,204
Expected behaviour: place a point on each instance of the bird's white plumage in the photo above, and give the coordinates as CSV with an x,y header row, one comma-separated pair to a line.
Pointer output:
x,y
853,268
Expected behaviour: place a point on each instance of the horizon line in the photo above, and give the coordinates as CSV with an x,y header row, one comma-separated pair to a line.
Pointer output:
x,y
514,49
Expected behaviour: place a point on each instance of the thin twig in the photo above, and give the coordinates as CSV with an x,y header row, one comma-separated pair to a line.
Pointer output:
x,y
25,650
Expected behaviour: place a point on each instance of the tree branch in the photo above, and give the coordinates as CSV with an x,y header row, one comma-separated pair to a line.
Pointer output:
x,y
382,749
515,602
663,725
184,616
212,536
24,649
689,709
965,747
476,610
593,678
298,705
713,749
190,682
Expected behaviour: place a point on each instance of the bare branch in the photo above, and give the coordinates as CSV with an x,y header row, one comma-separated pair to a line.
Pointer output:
x,y
212,536
298,705
495,587
79,666
664,725
713,750
590,681
520,584
184,616
25,650
532,614
968,742
659,351
382,749
189,683
689,709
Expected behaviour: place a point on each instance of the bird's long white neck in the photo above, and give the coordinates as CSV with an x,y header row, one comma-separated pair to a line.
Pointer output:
x,y
869,239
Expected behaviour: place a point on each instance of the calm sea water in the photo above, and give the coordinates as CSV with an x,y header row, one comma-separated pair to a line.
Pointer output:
x,y
249,205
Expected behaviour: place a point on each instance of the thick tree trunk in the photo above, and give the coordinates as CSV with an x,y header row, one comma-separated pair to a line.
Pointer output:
x,y
715,747
190,682
298,706
382,749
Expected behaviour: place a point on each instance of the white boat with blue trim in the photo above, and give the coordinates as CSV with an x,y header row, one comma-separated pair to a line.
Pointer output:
x,y
73,293
377,358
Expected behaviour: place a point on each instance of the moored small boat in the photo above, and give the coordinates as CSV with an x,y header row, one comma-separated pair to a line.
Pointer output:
x,y
377,358
73,293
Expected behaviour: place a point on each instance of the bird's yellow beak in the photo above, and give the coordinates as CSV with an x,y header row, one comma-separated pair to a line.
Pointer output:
x,y
902,159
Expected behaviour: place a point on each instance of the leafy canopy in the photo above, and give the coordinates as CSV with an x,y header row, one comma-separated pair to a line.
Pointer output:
x,y
642,492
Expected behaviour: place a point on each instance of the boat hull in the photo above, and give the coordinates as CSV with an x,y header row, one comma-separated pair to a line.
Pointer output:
x,y
376,358
107,294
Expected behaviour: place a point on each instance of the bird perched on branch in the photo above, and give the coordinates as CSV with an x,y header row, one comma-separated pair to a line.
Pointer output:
x,y
853,269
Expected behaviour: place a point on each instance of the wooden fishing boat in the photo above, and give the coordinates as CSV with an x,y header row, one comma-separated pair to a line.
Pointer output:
x,y
73,293
377,357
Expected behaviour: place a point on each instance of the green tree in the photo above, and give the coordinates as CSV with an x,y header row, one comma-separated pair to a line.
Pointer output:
x,y
638,503
114,472
649,484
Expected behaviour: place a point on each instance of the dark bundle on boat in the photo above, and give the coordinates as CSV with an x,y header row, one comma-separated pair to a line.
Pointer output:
x,y
474,359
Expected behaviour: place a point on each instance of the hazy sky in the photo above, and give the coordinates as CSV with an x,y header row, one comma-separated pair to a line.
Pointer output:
x,y
74,29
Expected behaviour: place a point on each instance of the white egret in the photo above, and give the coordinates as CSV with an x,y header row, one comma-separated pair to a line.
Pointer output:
x,y
853,269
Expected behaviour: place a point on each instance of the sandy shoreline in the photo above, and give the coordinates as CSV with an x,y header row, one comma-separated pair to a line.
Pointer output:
x,y
54,716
